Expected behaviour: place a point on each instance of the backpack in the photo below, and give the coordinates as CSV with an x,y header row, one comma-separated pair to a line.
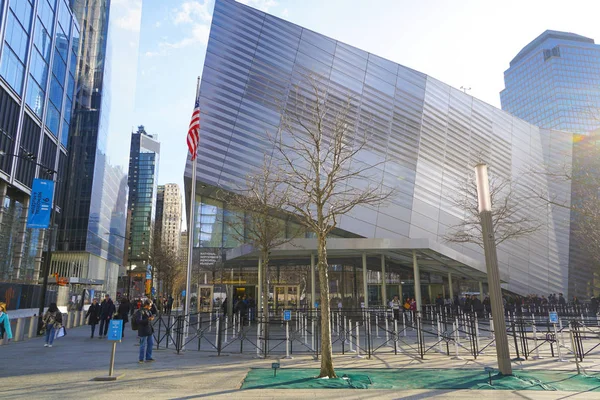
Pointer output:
x,y
134,321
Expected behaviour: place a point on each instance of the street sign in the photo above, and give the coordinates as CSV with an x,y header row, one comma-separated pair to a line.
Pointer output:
x,y
40,204
553,317
287,315
115,330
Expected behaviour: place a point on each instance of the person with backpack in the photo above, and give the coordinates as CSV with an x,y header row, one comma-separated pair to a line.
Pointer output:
x,y
123,312
52,320
4,323
144,318
93,315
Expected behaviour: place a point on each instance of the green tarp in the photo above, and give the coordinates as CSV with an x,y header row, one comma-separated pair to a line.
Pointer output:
x,y
412,378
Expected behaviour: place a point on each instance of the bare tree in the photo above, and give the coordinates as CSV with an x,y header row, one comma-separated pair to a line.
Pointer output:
x,y
167,267
509,213
261,220
321,134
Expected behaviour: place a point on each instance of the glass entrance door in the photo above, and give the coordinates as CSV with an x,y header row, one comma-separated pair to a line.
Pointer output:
x,y
286,296
205,298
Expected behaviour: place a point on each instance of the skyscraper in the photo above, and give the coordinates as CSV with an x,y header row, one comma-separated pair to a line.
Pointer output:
x,y
91,240
143,181
168,217
39,41
554,82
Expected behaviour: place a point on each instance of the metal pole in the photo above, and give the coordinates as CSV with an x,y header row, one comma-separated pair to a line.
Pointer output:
x,y
47,261
491,258
111,367
312,281
188,281
365,285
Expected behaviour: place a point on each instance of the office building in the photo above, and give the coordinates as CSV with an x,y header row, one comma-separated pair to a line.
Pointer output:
x,y
428,136
91,240
39,41
143,184
554,83
168,217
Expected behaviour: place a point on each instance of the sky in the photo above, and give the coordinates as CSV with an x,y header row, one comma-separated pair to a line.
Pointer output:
x,y
466,43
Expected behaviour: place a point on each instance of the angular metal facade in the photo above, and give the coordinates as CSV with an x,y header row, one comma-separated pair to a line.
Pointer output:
x,y
428,133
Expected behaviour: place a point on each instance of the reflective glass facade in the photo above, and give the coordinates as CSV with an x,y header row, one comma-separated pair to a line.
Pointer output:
x,y
427,134
92,235
554,82
38,58
143,189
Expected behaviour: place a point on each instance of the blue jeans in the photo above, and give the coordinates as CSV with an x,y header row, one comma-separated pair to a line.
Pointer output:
x,y
146,343
50,331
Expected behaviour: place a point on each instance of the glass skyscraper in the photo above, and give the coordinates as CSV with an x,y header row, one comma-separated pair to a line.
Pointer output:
x,y
143,188
426,134
39,41
554,82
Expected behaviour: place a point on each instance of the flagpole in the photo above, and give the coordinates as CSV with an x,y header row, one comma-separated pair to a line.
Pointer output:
x,y
188,282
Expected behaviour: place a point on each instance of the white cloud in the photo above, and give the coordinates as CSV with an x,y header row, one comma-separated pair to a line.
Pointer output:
x,y
199,35
127,14
192,12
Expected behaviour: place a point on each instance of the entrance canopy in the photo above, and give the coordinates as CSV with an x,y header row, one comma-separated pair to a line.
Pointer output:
x,y
432,257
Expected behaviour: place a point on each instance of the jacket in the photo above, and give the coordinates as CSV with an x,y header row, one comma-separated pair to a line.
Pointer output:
x,y
123,311
94,313
144,324
53,318
107,309
5,329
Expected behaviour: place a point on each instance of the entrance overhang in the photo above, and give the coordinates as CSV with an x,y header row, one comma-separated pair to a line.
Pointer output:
x,y
432,256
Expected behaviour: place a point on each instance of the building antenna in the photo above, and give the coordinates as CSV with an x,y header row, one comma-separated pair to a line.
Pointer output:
x,y
464,88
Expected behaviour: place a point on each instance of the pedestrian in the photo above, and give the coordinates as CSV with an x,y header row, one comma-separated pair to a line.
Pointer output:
x,y
107,310
52,320
93,316
4,323
395,304
144,319
123,312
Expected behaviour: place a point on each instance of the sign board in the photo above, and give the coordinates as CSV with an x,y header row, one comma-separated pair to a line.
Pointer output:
x,y
40,204
275,365
183,293
115,330
553,317
287,315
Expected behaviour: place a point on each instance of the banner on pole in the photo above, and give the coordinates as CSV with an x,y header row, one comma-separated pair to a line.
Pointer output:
x,y
40,204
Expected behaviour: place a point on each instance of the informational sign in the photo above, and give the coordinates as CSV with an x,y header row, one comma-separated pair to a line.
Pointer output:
x,y
287,315
183,293
553,317
115,330
40,204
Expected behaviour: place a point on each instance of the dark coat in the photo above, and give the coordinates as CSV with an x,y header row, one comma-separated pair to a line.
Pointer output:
x,y
123,311
143,322
94,314
107,309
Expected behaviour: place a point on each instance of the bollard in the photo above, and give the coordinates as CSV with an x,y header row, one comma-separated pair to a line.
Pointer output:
x,y
19,330
350,335
535,343
287,340
258,332
377,326
32,324
82,318
439,328
387,330
403,324
357,342
226,327
456,340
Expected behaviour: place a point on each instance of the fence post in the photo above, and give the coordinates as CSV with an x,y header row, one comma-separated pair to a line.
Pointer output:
x,y
358,341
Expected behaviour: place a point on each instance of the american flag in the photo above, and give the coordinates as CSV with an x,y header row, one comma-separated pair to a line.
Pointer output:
x,y
193,136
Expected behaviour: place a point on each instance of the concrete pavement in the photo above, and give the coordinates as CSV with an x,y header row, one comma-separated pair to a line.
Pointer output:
x,y
66,370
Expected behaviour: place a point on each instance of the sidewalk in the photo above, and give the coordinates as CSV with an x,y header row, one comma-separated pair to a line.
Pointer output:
x,y
66,371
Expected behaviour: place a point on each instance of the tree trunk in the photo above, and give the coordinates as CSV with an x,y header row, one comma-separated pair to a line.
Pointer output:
x,y
326,350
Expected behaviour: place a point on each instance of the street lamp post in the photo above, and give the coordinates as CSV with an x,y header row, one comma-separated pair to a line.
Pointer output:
x,y
491,262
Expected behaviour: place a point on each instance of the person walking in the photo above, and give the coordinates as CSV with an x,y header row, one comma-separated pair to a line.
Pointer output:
x,y
395,304
52,320
93,315
144,319
123,312
107,310
5,329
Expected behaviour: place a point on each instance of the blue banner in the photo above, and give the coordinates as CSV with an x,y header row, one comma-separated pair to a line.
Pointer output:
x,y
40,204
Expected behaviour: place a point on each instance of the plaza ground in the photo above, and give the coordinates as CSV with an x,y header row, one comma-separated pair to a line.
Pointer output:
x,y
66,371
